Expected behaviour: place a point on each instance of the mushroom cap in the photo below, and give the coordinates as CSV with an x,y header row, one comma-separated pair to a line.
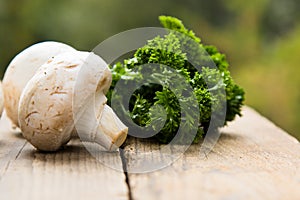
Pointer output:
x,y
1,99
46,108
21,70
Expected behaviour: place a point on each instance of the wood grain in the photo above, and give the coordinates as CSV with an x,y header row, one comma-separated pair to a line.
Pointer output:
x,y
253,159
71,173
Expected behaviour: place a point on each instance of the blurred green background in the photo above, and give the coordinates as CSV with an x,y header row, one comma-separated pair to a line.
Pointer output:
x,y
260,38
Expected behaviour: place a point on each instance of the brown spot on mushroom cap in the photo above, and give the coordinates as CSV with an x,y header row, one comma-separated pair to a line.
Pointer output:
x,y
31,113
72,66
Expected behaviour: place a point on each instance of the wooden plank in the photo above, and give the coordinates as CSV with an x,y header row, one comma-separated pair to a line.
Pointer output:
x,y
71,173
253,159
9,148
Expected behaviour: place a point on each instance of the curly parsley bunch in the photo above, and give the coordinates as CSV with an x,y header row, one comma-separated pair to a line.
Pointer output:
x,y
176,50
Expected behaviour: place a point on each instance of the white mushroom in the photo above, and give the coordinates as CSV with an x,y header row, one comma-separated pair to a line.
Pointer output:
x,y
1,99
21,70
69,91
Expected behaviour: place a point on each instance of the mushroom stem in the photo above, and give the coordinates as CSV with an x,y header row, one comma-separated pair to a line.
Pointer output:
x,y
111,132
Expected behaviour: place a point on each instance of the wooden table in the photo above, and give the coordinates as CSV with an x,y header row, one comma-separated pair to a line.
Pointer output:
x,y
253,159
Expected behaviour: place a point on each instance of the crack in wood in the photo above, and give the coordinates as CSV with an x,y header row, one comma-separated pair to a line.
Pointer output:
x,y
12,155
125,171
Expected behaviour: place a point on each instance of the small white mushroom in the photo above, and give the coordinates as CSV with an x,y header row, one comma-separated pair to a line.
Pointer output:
x,y
21,70
68,92
1,99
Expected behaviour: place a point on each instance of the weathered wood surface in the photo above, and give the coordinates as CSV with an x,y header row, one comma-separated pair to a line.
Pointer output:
x,y
253,159
72,173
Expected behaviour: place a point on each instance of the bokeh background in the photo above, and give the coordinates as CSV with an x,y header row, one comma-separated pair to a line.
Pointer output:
x,y
260,38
